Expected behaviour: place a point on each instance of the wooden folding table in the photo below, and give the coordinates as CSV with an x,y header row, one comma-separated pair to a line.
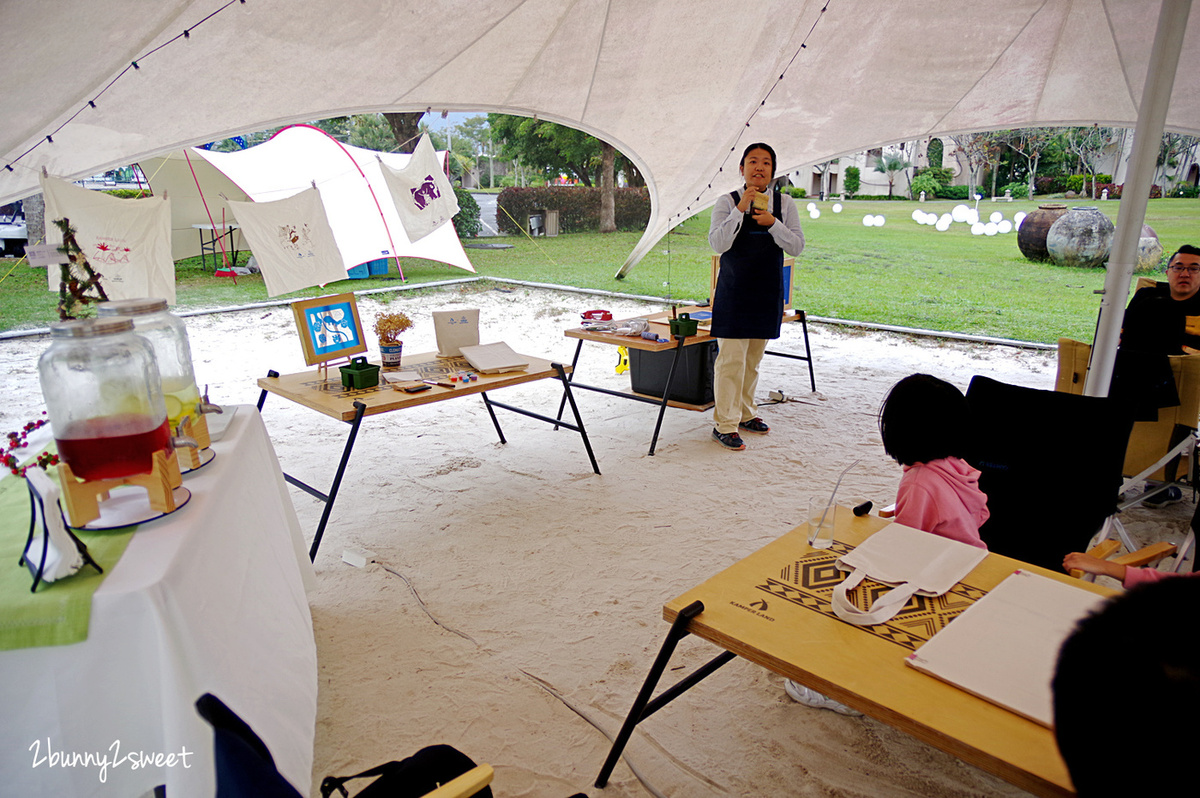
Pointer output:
x,y
773,609
659,324
327,396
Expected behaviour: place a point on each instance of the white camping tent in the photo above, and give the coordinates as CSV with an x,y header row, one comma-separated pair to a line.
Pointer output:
x,y
356,198
679,86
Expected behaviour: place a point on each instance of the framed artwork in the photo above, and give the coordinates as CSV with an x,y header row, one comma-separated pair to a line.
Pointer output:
x,y
788,265
329,328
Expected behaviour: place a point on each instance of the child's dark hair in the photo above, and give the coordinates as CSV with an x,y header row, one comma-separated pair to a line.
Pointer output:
x,y
923,419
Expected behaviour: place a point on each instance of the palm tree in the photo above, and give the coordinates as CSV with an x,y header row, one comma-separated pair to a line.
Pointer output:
x,y
891,165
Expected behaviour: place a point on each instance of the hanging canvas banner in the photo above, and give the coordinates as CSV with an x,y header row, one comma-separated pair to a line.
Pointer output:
x,y
128,241
423,195
292,241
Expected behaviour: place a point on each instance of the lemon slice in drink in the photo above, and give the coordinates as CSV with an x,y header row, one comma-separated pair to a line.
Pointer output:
x,y
174,409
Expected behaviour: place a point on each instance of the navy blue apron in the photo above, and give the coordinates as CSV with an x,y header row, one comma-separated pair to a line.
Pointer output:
x,y
748,302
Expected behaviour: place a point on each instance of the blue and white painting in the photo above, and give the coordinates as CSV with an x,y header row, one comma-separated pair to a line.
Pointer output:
x,y
332,328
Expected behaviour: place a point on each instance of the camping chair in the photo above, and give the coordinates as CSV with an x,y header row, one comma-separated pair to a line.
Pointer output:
x,y
1155,447
1039,510
1148,555
245,768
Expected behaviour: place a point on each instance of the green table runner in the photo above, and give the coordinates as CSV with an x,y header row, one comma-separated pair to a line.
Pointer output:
x,y
58,613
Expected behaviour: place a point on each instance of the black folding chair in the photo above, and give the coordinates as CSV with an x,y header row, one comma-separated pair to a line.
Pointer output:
x,y
1051,467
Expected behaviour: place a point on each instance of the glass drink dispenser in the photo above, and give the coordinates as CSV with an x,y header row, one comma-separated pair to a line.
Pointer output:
x,y
168,337
104,398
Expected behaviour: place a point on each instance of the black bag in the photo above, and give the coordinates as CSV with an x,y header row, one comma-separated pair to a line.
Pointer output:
x,y
413,777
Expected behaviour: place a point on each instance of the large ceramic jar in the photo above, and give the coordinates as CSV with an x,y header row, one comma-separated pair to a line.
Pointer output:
x,y
1031,236
1080,237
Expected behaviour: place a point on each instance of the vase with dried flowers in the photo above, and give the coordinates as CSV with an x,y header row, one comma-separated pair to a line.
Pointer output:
x,y
389,327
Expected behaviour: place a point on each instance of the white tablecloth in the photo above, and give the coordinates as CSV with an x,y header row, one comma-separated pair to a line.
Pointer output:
x,y
210,599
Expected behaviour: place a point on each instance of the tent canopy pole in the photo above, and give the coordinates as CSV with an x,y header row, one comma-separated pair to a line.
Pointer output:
x,y
1147,136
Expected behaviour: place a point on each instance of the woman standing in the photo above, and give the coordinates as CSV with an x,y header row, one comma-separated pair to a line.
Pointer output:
x,y
751,229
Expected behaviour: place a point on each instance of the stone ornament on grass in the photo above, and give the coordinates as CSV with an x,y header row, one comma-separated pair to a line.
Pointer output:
x,y
1080,237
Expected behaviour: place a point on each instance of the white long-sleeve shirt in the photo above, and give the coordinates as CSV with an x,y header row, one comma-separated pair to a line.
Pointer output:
x,y
727,221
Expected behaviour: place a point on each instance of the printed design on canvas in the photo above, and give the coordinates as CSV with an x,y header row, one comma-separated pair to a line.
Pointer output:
x,y
809,581
110,251
426,192
296,239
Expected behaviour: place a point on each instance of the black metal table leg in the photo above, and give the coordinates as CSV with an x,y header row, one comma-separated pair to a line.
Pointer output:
x,y
802,317
262,397
662,408
359,409
569,397
574,361
643,707
488,404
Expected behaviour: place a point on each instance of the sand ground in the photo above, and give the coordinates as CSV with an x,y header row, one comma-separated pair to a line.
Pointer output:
x,y
514,602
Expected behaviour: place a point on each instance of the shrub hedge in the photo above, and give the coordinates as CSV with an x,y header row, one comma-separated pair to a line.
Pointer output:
x,y
578,208
1050,185
466,222
941,174
927,183
953,192
1016,190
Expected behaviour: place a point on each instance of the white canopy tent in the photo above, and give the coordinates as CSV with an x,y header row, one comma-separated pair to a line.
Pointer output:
x,y
679,86
356,198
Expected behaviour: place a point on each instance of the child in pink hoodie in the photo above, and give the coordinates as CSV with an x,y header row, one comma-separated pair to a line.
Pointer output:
x,y
924,423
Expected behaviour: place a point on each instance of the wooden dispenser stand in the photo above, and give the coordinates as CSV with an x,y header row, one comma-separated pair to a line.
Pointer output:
x,y
81,498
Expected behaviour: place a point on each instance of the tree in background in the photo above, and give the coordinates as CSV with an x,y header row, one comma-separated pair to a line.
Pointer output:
x,y
1175,152
974,148
891,165
852,181
406,129
1030,143
554,150
372,132
548,148
1089,144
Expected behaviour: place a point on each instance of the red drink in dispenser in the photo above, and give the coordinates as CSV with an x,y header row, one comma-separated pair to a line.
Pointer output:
x,y
112,447
104,396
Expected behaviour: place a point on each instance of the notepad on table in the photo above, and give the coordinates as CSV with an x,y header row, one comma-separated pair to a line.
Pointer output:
x,y
1004,647
494,358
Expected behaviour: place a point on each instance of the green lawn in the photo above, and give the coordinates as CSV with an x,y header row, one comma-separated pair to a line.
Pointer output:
x,y
903,273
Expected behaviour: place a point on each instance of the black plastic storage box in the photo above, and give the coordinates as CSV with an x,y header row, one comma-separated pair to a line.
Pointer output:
x,y
693,382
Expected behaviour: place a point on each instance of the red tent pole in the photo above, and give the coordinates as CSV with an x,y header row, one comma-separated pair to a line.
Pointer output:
x,y
370,188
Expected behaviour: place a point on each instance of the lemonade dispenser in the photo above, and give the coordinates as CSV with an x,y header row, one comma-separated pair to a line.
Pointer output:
x,y
168,337
104,398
